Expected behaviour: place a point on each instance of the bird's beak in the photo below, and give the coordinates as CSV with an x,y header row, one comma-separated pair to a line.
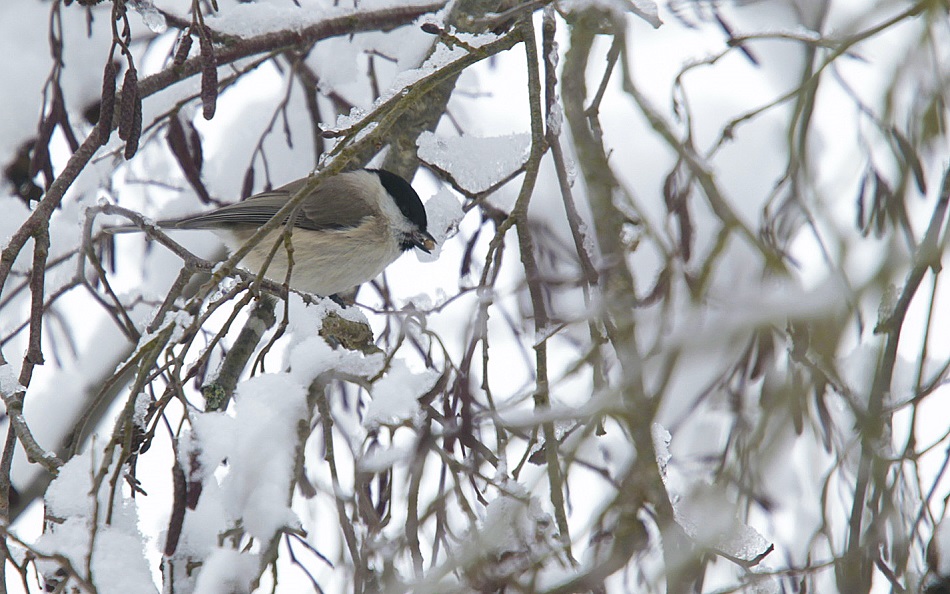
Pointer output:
x,y
423,241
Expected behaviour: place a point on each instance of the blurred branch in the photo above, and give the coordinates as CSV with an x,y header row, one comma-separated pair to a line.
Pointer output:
x,y
642,484
599,180
519,214
854,570
703,174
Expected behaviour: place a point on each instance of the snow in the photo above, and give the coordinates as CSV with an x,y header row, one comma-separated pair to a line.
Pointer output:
x,y
68,495
942,540
307,319
259,18
511,521
245,460
704,510
645,9
9,384
227,571
267,410
556,119
178,320
476,164
444,213
210,441
333,60
313,356
118,561
661,443
380,459
546,332
395,395
708,516
118,558
515,534
152,18
440,57
736,313
203,526
259,441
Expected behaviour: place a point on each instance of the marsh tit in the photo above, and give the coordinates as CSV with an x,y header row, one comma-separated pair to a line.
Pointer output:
x,y
346,231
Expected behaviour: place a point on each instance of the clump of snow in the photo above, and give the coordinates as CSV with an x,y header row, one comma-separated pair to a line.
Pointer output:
x,y
942,551
69,494
258,18
476,164
705,511
645,9
9,384
210,441
709,517
344,121
201,530
179,320
661,443
444,213
395,396
118,558
306,319
546,332
267,410
775,302
381,459
563,416
515,535
182,321
260,444
140,410
152,18
227,570
314,356
420,302
224,287
442,56
514,522
555,119
118,561
333,61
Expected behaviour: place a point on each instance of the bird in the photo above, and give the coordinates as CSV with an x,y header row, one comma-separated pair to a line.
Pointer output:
x,y
346,231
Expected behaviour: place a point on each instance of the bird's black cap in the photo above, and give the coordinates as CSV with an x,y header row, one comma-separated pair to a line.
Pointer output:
x,y
405,197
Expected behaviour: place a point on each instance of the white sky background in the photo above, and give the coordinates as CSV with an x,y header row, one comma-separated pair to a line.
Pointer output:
x,y
746,169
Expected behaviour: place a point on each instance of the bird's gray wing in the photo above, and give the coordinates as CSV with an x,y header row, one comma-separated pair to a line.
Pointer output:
x,y
255,211
334,204
329,206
